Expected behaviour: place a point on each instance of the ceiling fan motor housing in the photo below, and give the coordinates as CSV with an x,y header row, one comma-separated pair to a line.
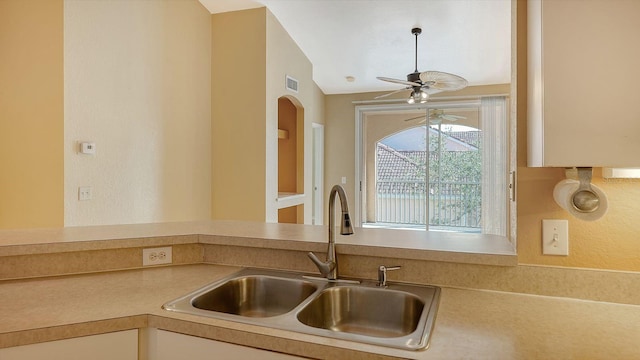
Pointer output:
x,y
414,77
416,94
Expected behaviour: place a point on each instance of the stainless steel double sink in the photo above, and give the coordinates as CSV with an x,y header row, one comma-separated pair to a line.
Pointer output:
x,y
398,315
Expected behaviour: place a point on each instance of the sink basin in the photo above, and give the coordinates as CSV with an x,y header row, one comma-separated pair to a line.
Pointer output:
x,y
367,311
250,293
255,296
399,316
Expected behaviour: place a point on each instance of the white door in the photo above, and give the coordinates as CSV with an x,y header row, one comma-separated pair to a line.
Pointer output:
x,y
318,174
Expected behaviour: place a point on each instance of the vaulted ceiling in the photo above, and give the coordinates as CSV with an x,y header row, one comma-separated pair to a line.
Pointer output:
x,y
364,39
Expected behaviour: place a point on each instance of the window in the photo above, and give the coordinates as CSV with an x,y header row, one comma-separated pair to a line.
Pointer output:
x,y
437,167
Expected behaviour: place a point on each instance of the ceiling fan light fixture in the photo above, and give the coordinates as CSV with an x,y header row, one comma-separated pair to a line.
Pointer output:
x,y
418,96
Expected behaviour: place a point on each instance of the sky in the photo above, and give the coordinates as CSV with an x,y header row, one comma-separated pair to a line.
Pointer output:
x,y
413,139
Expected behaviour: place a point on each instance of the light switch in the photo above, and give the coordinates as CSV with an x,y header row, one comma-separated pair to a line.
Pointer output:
x,y
344,180
555,237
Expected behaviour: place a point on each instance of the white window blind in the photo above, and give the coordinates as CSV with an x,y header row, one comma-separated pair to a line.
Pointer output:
x,y
495,150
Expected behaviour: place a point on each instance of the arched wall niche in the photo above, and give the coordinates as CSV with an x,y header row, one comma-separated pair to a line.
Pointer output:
x,y
290,160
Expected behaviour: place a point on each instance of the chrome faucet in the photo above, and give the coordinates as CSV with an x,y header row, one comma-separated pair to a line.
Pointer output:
x,y
329,268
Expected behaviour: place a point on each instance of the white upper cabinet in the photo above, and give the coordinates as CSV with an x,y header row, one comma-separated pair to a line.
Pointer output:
x,y
584,83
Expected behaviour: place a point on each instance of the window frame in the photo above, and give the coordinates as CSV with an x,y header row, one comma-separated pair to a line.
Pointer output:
x,y
364,107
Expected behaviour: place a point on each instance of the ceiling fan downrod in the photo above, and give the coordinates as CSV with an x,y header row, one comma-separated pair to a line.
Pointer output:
x,y
416,32
417,95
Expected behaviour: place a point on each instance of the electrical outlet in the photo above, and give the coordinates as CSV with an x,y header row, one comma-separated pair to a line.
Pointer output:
x,y
157,256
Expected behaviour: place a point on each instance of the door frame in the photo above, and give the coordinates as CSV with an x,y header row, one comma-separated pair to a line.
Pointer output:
x,y
360,113
317,184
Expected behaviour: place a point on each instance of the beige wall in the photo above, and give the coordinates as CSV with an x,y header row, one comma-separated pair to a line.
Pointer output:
x,y
137,83
31,113
238,82
252,54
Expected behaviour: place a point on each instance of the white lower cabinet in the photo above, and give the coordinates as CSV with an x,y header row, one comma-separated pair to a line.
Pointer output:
x,y
122,345
165,345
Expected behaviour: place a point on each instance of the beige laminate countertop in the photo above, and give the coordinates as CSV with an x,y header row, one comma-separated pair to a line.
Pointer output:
x,y
419,245
471,324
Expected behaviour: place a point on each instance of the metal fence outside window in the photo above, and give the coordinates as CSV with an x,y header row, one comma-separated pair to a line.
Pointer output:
x,y
451,204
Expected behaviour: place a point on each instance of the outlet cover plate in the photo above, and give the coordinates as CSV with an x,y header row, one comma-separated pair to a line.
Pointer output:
x,y
85,193
157,256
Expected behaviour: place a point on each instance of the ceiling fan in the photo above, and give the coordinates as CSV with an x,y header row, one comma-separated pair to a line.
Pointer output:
x,y
437,116
424,83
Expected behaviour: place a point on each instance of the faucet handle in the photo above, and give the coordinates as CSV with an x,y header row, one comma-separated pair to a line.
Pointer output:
x,y
382,274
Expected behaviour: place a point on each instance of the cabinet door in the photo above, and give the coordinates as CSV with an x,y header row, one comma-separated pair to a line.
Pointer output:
x,y
171,346
121,345
583,80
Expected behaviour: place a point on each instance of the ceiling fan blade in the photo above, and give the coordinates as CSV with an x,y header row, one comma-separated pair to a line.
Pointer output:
x,y
448,118
431,91
452,117
391,93
397,81
437,117
417,117
439,114
442,81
